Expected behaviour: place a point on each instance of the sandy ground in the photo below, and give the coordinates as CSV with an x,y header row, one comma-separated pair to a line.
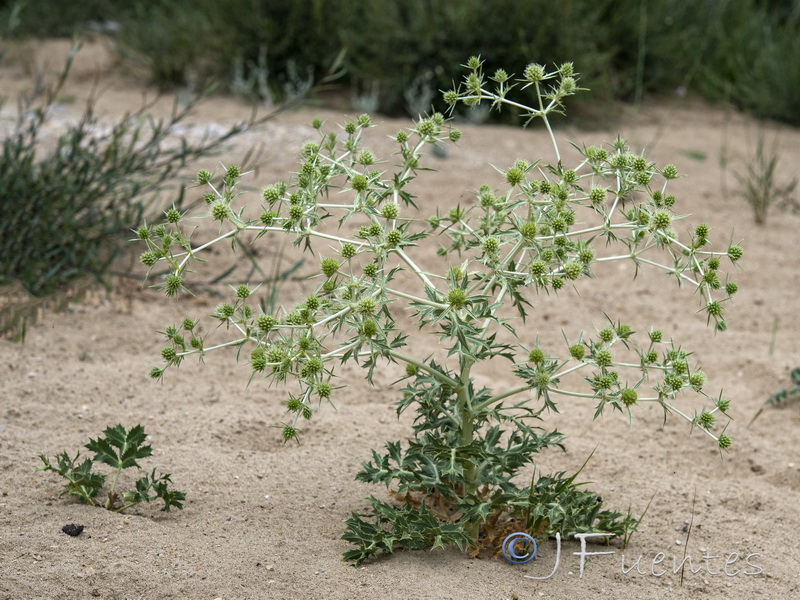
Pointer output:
x,y
264,520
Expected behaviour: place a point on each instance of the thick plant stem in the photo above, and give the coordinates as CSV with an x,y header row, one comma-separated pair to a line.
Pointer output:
x,y
467,415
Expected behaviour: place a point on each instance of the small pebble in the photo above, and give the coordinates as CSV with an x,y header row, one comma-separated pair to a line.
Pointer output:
x,y
72,529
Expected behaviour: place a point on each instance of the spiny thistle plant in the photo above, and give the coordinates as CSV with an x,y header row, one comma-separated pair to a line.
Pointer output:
x,y
538,228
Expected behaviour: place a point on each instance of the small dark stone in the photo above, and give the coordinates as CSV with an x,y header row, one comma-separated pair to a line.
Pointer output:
x,y
72,529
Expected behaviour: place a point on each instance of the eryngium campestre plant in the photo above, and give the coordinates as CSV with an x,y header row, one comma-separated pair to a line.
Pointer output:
x,y
537,228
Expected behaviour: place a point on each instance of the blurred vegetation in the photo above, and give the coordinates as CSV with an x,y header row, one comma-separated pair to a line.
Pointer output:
x,y
743,51
398,55
67,203
70,196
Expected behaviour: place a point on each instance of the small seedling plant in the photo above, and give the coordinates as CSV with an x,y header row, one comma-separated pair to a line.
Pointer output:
x,y
782,397
120,450
786,395
537,229
759,184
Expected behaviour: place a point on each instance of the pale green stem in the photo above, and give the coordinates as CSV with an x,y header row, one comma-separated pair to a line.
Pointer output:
x,y
336,238
543,115
420,365
572,369
467,414
498,397
485,95
332,317
126,507
490,318
635,366
616,200
477,284
344,206
511,273
113,486
671,270
211,185
677,243
340,351
570,393
585,231
311,232
618,257
189,255
511,254
415,299
417,271
466,226
523,388
688,418
231,343
403,175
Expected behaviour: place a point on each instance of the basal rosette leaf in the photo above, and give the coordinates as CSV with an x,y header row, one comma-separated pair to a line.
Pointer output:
x,y
390,528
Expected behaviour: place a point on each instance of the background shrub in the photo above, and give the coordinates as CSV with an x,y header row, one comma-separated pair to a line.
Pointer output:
x,y
743,51
69,205
206,39
57,18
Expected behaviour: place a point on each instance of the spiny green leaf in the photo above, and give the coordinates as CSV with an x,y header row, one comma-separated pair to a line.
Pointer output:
x,y
120,449
159,485
81,482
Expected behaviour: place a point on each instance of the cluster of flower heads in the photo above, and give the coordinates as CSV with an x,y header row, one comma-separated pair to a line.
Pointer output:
x,y
542,228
